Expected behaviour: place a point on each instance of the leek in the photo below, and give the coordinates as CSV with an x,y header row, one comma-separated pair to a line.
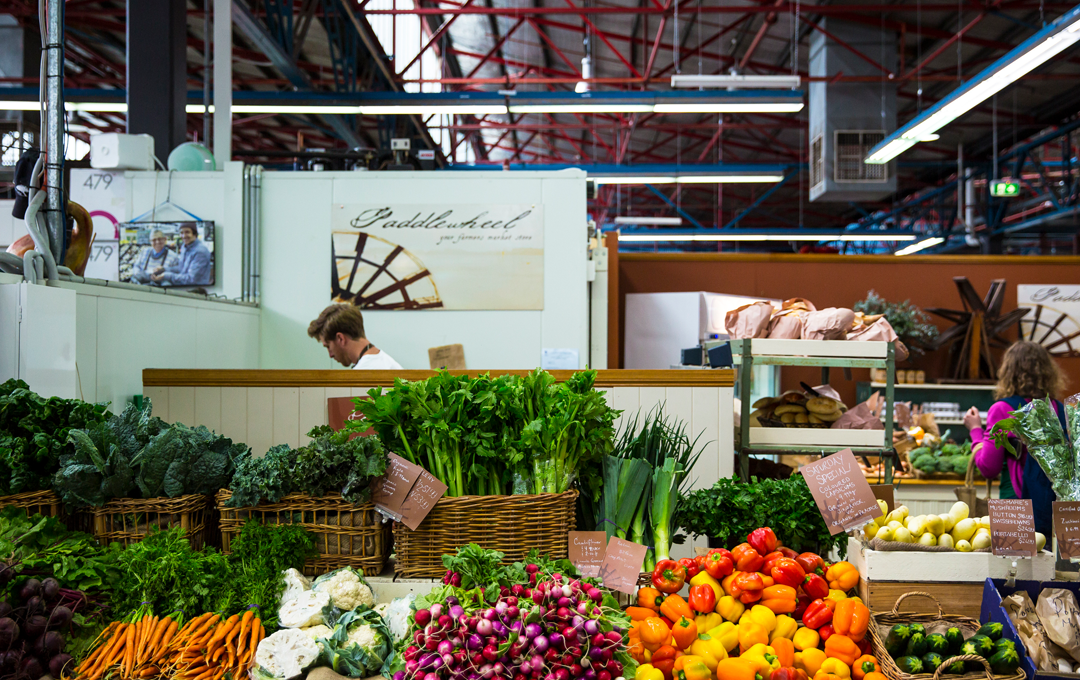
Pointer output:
x,y
625,481
665,495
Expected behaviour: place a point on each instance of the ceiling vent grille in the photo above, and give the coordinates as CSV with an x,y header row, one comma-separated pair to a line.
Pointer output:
x,y
852,146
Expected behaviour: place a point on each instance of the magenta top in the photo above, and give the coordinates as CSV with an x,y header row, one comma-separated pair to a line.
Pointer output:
x,y
988,457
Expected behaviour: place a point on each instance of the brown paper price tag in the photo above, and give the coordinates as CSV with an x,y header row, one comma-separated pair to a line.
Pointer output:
x,y
842,494
622,564
587,550
1012,527
421,499
390,491
1067,528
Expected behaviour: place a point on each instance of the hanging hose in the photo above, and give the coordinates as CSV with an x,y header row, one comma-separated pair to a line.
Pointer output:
x,y
41,245
12,264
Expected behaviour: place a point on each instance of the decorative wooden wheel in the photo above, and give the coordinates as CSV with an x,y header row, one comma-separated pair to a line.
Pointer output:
x,y
373,273
1058,332
978,328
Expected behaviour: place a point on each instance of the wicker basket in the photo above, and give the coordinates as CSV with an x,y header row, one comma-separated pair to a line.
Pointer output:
x,y
513,525
346,535
986,673
129,520
934,623
44,503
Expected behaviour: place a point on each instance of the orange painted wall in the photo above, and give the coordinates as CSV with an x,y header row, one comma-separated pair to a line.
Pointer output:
x,y
840,281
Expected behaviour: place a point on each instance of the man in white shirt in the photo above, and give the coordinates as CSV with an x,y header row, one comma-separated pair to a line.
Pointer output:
x,y
340,329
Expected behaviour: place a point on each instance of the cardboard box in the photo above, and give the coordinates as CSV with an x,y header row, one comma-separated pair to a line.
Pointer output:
x,y
995,590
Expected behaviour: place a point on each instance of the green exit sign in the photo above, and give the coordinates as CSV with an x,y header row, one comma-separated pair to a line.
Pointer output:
x,y
1004,188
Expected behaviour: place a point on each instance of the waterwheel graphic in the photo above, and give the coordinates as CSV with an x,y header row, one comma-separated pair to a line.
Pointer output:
x,y
373,273
1058,332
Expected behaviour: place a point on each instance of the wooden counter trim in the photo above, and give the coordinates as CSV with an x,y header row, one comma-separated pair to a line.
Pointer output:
x,y
1068,260
159,377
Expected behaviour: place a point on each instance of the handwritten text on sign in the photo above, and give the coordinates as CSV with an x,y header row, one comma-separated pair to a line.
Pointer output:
x,y
1012,527
587,550
421,500
842,494
390,491
1067,528
622,564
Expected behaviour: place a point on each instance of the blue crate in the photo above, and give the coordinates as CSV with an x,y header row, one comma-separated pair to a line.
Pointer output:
x,y
994,591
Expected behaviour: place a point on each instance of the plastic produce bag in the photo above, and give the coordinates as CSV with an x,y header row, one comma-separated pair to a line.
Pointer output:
x,y
523,483
1037,425
296,584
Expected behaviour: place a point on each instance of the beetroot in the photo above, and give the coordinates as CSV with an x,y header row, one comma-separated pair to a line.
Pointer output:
x,y
58,663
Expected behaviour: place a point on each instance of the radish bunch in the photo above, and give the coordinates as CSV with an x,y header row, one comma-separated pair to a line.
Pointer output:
x,y
554,629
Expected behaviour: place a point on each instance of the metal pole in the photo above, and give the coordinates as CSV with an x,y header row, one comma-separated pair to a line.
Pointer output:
x,y
208,42
222,82
54,127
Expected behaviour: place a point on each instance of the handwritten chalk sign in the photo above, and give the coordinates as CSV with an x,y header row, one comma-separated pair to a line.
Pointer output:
x,y
421,500
1012,527
587,550
1067,528
842,494
389,491
622,564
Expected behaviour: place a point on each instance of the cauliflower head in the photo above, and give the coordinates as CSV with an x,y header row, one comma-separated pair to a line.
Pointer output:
x,y
346,588
286,653
295,585
321,631
397,615
366,636
361,645
304,611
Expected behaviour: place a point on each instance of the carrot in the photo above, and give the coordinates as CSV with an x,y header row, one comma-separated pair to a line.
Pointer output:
x,y
107,657
158,635
167,638
201,632
129,651
224,629
245,631
148,672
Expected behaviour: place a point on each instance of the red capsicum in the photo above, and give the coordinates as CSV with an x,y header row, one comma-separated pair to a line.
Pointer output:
x,y
763,540
669,576
746,558
702,599
826,631
770,560
788,552
819,613
691,567
746,587
811,563
801,605
815,586
718,563
788,673
787,572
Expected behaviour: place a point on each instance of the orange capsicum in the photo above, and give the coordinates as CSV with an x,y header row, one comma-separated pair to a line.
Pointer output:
x,y
780,599
690,667
751,634
640,613
664,659
875,676
864,665
746,587
746,558
675,607
842,647
634,646
842,576
654,633
851,618
684,633
734,668
650,598
822,675
785,651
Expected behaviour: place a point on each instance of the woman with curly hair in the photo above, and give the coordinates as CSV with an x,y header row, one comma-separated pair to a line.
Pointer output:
x,y
1027,372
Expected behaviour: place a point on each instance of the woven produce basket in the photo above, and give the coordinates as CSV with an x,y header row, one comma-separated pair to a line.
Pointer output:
x,y
129,520
44,503
986,672
934,623
513,525
346,535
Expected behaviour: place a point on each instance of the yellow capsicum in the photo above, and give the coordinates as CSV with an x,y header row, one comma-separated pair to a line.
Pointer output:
x,y
730,608
763,615
647,671
806,638
706,622
836,667
836,595
810,660
751,634
763,658
785,628
691,667
702,578
710,649
727,633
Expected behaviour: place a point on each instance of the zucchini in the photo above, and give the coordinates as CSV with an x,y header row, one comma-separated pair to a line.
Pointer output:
x,y
992,630
936,642
1005,662
896,640
956,638
955,668
916,645
1004,643
917,628
912,665
983,644
931,661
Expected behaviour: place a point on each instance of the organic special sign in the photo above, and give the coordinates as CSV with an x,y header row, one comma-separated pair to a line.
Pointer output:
x,y
587,550
622,564
1067,528
842,494
1012,527
438,256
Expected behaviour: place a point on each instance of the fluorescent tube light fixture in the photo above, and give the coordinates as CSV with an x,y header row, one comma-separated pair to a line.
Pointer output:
x,y
730,107
760,178
432,109
921,245
584,107
729,235
1029,55
736,82
655,221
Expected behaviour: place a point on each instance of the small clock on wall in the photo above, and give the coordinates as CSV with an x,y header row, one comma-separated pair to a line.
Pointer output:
x,y
374,273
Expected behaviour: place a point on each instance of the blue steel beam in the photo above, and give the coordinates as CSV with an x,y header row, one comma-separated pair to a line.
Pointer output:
x,y
679,210
759,201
